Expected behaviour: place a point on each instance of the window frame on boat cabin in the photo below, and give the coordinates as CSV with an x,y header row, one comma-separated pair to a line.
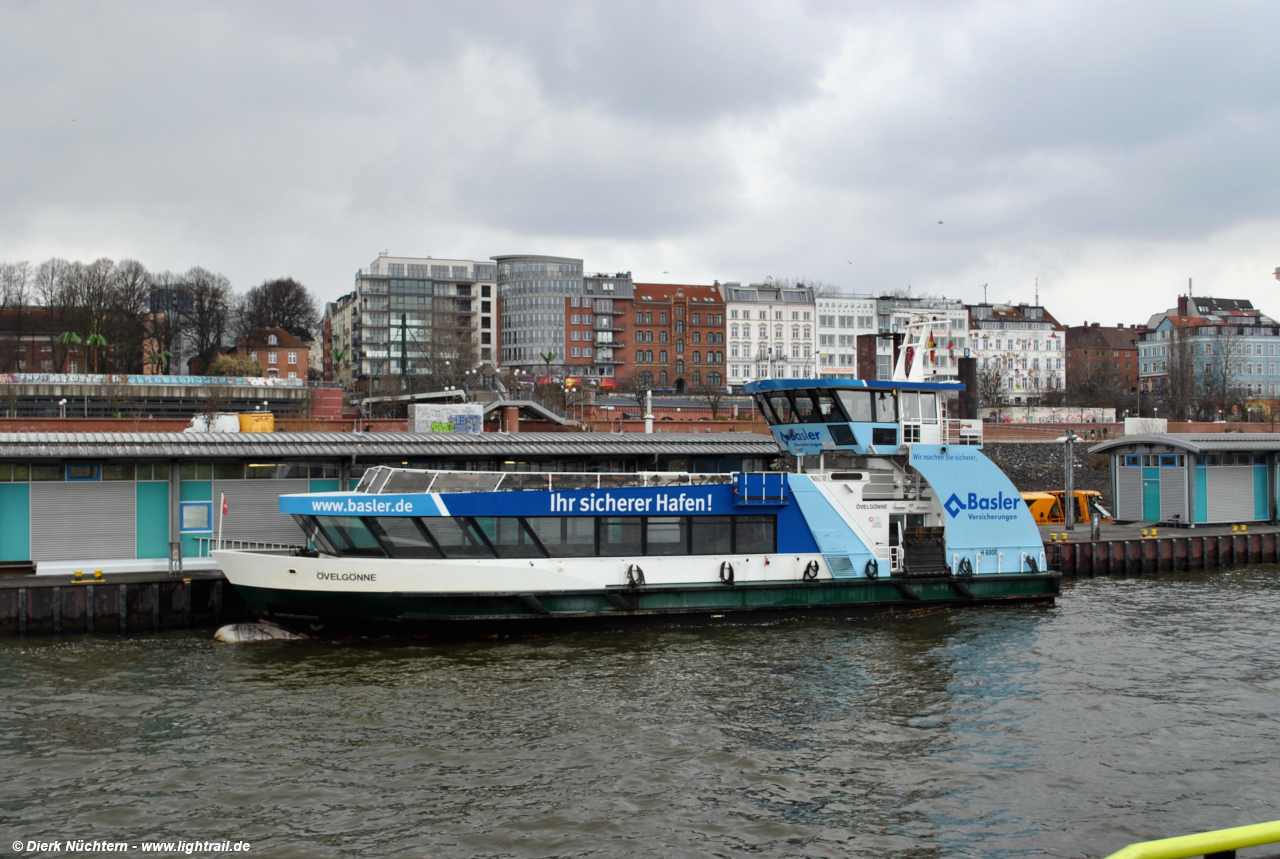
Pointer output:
x,y
841,405
509,537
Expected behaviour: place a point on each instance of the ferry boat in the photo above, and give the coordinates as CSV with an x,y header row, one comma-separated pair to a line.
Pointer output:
x,y
892,507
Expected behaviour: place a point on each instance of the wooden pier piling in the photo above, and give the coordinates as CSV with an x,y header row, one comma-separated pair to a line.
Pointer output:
x,y
1163,554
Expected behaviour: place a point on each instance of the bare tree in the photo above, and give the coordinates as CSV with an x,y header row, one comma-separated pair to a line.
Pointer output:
x,y
15,296
166,321
206,313
713,395
1181,387
280,303
130,329
55,291
989,394
1219,390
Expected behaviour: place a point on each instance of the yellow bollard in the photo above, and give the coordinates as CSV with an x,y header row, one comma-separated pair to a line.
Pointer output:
x,y
97,574
1153,532
1235,529
1144,533
1244,528
77,574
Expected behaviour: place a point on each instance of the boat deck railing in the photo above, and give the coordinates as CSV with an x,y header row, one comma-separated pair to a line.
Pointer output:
x,y
1220,844
205,545
384,480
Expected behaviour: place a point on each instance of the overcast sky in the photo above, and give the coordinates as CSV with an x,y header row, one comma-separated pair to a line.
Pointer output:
x,y
1109,150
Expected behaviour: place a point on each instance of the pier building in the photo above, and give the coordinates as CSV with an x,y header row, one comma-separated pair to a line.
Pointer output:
x,y
1192,479
117,500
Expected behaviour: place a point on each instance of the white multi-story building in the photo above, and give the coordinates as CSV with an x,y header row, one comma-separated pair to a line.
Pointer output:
x,y
1020,349
841,318
770,332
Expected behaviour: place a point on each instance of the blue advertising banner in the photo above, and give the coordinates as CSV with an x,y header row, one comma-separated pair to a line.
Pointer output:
x,y
986,519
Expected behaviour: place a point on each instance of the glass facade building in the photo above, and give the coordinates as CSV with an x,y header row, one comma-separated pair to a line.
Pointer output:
x,y
533,290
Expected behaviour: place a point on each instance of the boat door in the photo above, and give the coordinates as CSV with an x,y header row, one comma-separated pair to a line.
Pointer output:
x,y
897,531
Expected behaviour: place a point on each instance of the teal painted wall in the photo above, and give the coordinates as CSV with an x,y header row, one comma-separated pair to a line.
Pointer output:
x,y
195,490
324,485
1201,512
1151,494
153,520
1259,492
15,521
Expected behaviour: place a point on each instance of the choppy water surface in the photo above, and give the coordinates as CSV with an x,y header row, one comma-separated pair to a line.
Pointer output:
x,y
1135,708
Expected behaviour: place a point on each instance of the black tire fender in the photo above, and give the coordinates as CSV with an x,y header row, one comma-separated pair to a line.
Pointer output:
x,y
726,572
811,571
635,576
872,569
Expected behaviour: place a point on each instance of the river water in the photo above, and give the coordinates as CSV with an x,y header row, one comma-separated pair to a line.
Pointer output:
x,y
1134,708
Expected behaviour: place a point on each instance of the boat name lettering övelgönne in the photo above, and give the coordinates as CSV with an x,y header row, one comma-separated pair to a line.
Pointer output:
x,y
347,577
608,503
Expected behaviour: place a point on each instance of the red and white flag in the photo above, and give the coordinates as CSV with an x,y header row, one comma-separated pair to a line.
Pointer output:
x,y
224,505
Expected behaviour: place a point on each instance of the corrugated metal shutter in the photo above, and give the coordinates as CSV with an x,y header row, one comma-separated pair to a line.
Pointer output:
x,y
83,521
253,510
1173,494
1230,493
1129,486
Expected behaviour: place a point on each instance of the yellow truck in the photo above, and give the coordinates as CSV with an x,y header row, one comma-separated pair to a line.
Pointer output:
x,y
1046,507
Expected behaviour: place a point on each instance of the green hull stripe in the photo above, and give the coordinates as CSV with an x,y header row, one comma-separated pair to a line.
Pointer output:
x,y
652,601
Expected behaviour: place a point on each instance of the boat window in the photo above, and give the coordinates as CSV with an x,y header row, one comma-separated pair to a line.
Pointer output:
x,y
827,407
754,535
316,535
781,407
508,536
666,535
806,411
765,409
711,535
886,408
403,538
857,404
910,401
565,536
929,408
350,535
457,538
619,535
405,482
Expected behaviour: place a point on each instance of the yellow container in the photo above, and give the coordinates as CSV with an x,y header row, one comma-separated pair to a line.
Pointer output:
x,y
258,422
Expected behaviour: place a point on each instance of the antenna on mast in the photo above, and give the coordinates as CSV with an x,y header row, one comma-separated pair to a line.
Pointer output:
x,y
1037,292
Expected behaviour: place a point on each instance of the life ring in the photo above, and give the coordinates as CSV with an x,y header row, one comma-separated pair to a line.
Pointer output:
x,y
726,572
635,576
872,568
964,568
1031,562
811,571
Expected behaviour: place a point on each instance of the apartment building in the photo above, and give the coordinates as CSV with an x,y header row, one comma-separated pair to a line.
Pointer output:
x,y
1222,344
679,336
1102,357
597,327
840,319
1020,350
532,292
417,318
770,332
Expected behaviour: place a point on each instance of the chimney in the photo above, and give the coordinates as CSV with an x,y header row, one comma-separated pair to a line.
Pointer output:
x,y
1182,305
1097,325
1121,325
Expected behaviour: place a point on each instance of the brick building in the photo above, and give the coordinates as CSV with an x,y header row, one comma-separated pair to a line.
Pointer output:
x,y
1103,357
678,332
277,352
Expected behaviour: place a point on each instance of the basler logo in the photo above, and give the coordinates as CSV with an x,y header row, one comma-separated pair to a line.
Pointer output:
x,y
801,435
999,501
